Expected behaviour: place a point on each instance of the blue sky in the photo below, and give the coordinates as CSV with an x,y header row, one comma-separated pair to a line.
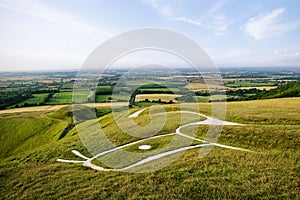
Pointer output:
x,y
60,34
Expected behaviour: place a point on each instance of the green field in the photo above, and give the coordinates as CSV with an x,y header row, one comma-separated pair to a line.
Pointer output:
x,y
102,98
248,84
66,97
208,98
160,90
29,170
37,99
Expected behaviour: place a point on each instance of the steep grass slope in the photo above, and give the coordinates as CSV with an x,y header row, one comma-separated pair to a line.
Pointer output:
x,y
272,131
27,131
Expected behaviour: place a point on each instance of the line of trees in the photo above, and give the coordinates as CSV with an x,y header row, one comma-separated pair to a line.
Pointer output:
x,y
158,101
9,98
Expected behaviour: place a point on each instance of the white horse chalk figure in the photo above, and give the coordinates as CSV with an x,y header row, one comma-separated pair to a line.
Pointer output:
x,y
208,121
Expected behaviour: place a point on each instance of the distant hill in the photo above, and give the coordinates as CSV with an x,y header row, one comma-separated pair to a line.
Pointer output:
x,y
291,89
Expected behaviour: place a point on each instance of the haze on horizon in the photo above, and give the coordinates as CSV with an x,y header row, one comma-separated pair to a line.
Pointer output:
x,y
59,35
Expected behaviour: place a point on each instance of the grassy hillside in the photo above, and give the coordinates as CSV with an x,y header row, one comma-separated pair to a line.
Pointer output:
x,y
26,131
30,147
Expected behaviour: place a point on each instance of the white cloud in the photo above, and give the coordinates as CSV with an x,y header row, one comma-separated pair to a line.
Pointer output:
x,y
36,34
211,19
163,9
218,24
197,23
266,25
216,7
42,11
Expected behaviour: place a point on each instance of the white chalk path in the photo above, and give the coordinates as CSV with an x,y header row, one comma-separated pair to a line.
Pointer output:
x,y
136,114
208,121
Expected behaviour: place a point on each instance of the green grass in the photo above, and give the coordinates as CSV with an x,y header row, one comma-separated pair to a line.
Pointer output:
x,y
26,131
112,98
203,99
132,154
160,90
28,167
66,98
145,104
102,98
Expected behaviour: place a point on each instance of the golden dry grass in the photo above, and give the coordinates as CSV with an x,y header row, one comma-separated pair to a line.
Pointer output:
x,y
197,87
56,107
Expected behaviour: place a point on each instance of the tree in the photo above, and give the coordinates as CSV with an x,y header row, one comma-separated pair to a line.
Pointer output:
x,y
132,99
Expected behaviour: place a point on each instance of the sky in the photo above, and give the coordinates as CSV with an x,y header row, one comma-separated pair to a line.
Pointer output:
x,y
60,34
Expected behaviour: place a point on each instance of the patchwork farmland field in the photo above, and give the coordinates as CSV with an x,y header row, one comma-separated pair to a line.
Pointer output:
x,y
37,99
156,97
66,97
